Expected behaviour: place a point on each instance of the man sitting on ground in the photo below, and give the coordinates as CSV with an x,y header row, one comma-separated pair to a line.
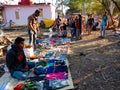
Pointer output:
x,y
16,60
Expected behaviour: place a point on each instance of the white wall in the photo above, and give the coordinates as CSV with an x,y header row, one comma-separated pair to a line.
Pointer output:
x,y
25,11
53,12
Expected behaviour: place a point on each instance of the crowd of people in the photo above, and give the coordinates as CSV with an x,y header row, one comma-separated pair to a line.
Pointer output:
x,y
16,59
80,24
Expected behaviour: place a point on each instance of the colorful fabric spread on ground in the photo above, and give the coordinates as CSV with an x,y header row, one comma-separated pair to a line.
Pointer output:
x,y
51,72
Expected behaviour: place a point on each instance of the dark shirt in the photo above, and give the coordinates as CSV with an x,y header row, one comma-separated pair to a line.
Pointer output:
x,y
15,59
80,21
58,20
64,27
72,24
90,21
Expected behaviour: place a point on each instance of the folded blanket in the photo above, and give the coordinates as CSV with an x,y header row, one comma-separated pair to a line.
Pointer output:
x,y
58,83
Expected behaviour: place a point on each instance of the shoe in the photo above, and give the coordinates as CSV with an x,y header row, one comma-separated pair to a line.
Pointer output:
x,y
80,38
101,37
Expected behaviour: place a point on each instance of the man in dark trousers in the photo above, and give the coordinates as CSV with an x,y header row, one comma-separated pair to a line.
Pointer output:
x,y
90,23
58,22
80,22
78,26
33,27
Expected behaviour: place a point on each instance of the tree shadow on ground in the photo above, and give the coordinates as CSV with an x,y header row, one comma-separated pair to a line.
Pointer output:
x,y
99,69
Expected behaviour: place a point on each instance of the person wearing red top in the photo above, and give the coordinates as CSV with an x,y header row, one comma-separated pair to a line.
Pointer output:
x,y
77,25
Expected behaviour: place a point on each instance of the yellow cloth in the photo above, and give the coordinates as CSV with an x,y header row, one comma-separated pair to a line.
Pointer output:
x,y
48,22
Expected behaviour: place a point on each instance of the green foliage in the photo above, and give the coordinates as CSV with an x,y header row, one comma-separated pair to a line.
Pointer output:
x,y
106,4
75,6
117,8
91,6
95,8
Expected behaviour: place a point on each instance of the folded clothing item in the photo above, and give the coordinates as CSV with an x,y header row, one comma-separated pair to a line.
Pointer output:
x,y
17,87
29,85
58,83
59,62
60,75
57,69
40,85
49,55
42,63
50,70
37,78
39,70
46,85
61,69
50,64
53,62
62,57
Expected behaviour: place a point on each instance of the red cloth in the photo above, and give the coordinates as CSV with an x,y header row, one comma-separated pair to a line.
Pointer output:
x,y
19,86
77,24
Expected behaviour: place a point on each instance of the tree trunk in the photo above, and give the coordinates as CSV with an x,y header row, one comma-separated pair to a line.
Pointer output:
x,y
83,8
118,7
108,11
116,4
111,18
119,23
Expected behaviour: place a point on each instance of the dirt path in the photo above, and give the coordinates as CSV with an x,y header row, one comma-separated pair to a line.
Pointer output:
x,y
94,62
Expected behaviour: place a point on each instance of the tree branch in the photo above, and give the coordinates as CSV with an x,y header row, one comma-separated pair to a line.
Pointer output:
x,y
116,4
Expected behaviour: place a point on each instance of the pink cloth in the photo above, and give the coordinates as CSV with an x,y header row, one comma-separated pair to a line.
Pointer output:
x,y
60,75
52,41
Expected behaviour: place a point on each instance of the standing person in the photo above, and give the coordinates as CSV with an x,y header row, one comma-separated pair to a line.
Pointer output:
x,y
16,60
103,25
72,27
80,22
64,30
90,24
58,21
77,25
33,27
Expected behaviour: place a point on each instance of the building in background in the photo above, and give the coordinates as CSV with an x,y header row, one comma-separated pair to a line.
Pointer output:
x,y
19,13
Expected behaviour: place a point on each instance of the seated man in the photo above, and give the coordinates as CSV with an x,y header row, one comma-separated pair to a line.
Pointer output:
x,y
16,60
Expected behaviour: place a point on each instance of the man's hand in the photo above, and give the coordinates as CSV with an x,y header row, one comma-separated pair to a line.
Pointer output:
x,y
25,69
35,31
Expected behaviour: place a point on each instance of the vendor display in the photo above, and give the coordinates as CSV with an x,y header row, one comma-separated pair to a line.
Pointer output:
x,y
51,71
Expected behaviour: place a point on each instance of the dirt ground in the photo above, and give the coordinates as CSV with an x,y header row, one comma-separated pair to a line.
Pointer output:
x,y
94,62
